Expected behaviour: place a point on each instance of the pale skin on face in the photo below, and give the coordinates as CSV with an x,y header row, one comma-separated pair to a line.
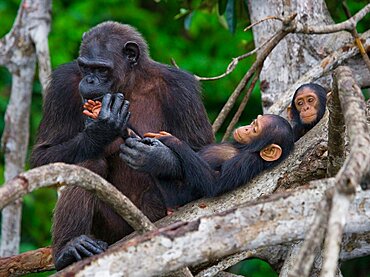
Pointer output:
x,y
246,134
306,102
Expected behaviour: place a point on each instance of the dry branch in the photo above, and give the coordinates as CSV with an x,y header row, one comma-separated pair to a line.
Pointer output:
x,y
356,165
29,262
336,133
347,25
73,175
281,218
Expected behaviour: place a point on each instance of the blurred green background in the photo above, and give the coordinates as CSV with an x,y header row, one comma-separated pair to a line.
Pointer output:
x,y
193,33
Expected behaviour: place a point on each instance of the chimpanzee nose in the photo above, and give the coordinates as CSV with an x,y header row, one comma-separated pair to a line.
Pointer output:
x,y
90,79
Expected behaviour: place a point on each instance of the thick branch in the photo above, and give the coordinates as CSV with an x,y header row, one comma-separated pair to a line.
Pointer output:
x,y
348,25
311,245
282,218
73,175
336,133
32,261
355,166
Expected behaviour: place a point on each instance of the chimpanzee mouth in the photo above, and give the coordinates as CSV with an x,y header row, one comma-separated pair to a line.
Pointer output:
x,y
98,98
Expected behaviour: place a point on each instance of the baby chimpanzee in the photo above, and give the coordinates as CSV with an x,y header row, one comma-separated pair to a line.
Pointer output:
x,y
184,175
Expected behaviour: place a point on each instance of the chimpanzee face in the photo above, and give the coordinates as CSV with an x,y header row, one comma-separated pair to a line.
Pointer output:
x,y
96,77
246,134
306,103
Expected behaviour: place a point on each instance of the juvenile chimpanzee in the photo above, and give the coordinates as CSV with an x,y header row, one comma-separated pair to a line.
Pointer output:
x,y
185,175
307,108
113,58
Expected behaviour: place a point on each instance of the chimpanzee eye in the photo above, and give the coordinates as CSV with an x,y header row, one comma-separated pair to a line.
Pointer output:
x,y
84,69
300,103
103,70
310,99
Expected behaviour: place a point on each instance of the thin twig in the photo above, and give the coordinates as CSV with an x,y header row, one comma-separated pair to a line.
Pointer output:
x,y
258,63
232,65
242,105
272,17
356,36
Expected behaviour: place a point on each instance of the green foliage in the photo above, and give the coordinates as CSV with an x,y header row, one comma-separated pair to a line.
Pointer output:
x,y
253,268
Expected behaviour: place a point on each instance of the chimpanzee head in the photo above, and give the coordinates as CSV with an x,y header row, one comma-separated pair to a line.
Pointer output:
x,y
307,108
270,135
110,55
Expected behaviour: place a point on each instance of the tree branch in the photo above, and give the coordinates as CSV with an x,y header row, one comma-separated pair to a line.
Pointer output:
x,y
354,168
336,133
347,25
278,219
73,175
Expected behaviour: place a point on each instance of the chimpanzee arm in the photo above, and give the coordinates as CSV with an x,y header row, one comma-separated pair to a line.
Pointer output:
x,y
151,156
198,173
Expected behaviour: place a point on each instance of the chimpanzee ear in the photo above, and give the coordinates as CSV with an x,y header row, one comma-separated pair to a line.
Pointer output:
x,y
289,112
132,51
271,152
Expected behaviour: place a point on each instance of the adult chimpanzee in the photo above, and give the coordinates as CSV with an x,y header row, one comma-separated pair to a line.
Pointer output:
x,y
113,58
307,108
185,175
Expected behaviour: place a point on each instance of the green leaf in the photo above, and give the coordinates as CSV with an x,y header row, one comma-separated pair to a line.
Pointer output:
x,y
221,6
230,15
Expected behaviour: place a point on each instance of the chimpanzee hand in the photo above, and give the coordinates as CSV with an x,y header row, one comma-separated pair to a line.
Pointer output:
x,y
111,122
77,249
151,156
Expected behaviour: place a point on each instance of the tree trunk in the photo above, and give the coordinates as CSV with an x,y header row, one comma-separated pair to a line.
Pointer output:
x,y
18,54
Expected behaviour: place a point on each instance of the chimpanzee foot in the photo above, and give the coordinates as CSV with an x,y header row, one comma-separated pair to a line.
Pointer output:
x,y
77,249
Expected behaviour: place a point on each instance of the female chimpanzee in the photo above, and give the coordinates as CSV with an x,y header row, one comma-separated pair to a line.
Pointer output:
x,y
307,108
184,175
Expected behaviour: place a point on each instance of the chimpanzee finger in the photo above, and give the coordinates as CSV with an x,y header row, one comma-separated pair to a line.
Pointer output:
x,y
132,142
105,109
73,251
103,245
83,251
124,109
117,103
93,247
131,162
130,152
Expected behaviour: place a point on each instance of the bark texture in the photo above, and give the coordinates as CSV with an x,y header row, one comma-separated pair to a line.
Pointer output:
x,y
18,54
